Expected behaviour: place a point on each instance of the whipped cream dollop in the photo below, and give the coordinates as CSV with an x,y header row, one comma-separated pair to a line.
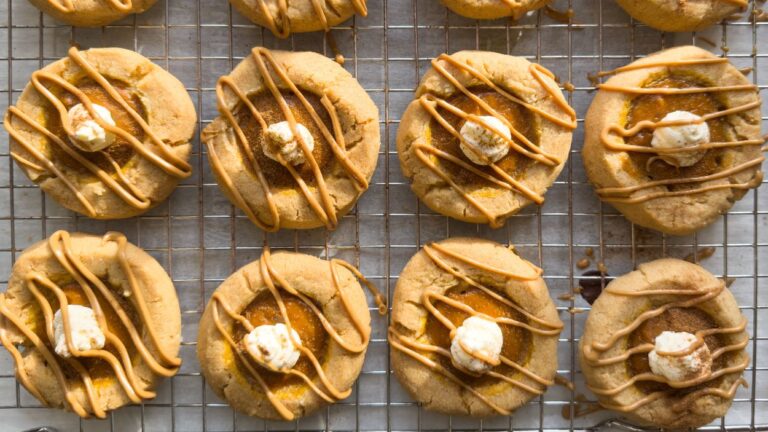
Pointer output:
x,y
280,140
682,136
87,134
271,346
476,344
484,141
676,368
85,332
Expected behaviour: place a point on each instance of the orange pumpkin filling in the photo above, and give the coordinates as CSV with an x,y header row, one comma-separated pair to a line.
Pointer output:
x,y
264,310
518,116
517,342
654,108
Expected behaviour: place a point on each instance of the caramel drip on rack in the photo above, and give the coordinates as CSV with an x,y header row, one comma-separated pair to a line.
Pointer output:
x,y
416,349
607,135
274,282
117,182
280,24
431,103
156,358
593,352
68,6
325,209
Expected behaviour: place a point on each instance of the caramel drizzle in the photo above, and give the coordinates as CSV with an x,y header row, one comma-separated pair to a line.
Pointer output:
x,y
592,352
119,184
67,6
431,103
274,282
325,209
280,25
158,361
625,194
413,347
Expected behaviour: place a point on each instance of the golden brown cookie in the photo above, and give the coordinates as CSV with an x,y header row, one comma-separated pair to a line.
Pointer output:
x,y
322,304
105,132
673,140
626,328
122,312
492,9
682,16
473,330
283,17
91,13
486,135
297,140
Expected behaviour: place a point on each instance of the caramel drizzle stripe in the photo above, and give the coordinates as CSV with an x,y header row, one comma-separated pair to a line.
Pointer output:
x,y
399,343
676,63
67,6
672,150
725,394
60,246
272,280
326,210
280,25
410,346
675,91
532,151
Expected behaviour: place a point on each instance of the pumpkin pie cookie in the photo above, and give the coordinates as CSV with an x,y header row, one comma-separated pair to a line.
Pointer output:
x,y
682,16
91,13
286,335
486,135
664,345
673,140
297,140
474,331
493,9
283,17
92,322
105,132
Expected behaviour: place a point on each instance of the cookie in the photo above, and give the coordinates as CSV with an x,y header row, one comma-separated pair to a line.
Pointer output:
x,y
492,9
121,311
473,330
283,17
297,140
105,132
285,335
673,140
627,358
682,16
91,13
486,135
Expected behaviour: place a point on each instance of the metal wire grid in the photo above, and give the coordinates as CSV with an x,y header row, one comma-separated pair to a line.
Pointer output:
x,y
201,239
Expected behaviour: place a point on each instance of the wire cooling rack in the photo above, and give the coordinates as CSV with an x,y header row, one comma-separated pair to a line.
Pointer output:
x,y
201,239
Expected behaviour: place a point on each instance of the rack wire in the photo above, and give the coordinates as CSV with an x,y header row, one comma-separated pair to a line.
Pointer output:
x,y
200,238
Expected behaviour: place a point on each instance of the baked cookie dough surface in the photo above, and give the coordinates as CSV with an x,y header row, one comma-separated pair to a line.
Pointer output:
x,y
663,295
91,13
324,303
271,87
154,123
455,279
130,294
283,17
630,174
516,94
492,9
682,16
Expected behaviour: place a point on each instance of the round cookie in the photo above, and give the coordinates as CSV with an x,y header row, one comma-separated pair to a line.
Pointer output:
x,y
493,9
632,174
448,277
681,16
523,102
324,305
91,13
152,123
133,299
314,97
283,17
663,295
